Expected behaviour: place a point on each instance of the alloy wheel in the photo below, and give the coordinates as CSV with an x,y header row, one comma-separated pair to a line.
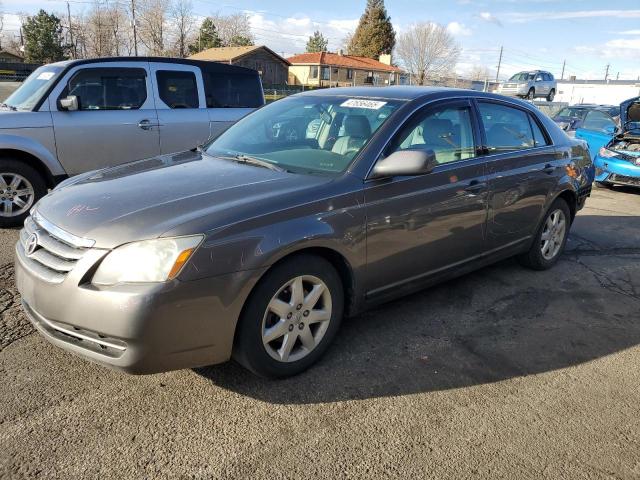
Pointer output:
x,y
553,234
16,194
296,319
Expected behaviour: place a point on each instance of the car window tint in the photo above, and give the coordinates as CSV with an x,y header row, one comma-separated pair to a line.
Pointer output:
x,y
178,89
108,88
598,121
446,131
232,90
538,137
506,128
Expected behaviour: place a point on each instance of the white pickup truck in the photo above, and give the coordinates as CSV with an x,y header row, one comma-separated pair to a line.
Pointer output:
x,y
79,115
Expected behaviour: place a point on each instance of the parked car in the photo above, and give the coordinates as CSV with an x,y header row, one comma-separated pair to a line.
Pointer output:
x,y
75,116
530,85
571,118
257,245
616,150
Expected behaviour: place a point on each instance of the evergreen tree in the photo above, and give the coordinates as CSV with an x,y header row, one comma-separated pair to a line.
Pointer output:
x,y
317,43
374,35
207,37
240,41
43,38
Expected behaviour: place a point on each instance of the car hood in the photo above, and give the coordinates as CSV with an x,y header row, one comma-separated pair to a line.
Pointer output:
x,y
22,119
178,194
629,114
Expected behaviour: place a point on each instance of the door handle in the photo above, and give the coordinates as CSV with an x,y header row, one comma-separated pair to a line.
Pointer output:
x,y
475,187
147,125
548,168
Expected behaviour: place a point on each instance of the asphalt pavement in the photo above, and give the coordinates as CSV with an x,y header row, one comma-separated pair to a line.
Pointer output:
x,y
504,373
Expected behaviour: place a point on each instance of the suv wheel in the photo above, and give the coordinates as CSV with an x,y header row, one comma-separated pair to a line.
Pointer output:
x,y
290,318
531,94
550,239
21,186
551,95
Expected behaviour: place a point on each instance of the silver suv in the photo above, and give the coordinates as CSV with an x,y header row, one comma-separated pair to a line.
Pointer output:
x,y
74,116
530,85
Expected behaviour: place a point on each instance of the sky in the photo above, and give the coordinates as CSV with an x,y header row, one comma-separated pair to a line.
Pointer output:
x,y
587,34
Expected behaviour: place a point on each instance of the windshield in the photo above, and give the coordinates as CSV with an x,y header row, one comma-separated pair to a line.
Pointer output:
x,y
522,77
28,95
572,112
306,134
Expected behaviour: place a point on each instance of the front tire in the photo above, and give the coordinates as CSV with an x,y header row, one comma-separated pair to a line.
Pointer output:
x,y
21,186
550,239
531,94
603,185
291,317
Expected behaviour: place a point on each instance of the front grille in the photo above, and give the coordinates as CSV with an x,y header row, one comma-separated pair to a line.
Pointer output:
x,y
56,252
624,180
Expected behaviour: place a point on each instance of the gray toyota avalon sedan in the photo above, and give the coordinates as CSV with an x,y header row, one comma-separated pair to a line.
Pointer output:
x,y
255,246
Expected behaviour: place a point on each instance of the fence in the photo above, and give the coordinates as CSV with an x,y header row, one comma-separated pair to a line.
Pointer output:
x,y
13,71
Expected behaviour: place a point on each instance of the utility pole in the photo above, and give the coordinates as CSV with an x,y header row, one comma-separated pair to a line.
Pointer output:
x,y
499,63
606,74
618,76
564,63
135,33
73,45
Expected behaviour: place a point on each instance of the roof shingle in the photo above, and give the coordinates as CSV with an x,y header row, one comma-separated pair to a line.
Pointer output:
x,y
336,60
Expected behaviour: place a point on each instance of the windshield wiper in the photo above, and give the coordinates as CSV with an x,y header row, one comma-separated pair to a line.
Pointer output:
x,y
10,107
257,162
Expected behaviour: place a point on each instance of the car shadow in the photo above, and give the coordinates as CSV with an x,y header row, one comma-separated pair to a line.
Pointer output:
x,y
497,323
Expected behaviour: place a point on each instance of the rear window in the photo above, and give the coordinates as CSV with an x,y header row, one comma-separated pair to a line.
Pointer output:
x,y
233,90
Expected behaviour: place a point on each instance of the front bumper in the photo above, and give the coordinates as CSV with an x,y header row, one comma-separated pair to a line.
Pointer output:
x,y
137,328
616,171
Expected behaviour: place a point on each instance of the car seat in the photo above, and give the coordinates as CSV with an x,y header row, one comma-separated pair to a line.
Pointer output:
x,y
357,131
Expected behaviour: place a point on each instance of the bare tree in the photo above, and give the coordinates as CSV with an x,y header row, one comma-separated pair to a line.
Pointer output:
x,y
231,28
152,19
428,51
479,72
182,24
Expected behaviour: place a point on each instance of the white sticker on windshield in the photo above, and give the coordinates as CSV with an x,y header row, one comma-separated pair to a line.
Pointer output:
x,y
361,103
45,76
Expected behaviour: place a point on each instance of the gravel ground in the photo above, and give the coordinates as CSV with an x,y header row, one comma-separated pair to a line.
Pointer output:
x,y
505,373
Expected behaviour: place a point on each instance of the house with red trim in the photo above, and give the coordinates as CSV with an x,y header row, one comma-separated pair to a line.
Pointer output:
x,y
325,69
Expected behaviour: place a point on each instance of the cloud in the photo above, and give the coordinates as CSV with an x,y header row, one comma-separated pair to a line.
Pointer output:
x,y
458,29
489,17
517,17
289,35
626,43
630,32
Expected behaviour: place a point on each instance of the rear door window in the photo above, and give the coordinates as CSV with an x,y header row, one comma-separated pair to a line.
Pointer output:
x,y
232,90
178,89
108,88
506,128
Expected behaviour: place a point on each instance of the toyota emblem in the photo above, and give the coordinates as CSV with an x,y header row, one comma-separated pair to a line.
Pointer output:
x,y
32,244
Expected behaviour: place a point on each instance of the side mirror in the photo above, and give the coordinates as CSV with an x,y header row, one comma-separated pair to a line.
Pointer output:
x,y
538,79
405,163
69,103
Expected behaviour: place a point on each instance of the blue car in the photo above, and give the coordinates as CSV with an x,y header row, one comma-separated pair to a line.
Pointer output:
x,y
616,150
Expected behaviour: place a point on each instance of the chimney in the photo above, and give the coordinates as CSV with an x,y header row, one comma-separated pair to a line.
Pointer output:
x,y
385,58
341,52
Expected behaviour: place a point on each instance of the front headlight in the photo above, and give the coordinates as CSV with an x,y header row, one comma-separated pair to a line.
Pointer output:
x,y
606,153
147,261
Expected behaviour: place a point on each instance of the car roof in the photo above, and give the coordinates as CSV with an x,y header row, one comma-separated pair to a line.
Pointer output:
x,y
221,67
406,93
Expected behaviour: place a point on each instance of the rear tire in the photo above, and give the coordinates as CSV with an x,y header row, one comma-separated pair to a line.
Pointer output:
x,y
21,186
550,238
551,95
282,333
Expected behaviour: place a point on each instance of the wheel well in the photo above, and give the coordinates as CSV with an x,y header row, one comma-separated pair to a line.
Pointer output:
x,y
31,160
572,200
